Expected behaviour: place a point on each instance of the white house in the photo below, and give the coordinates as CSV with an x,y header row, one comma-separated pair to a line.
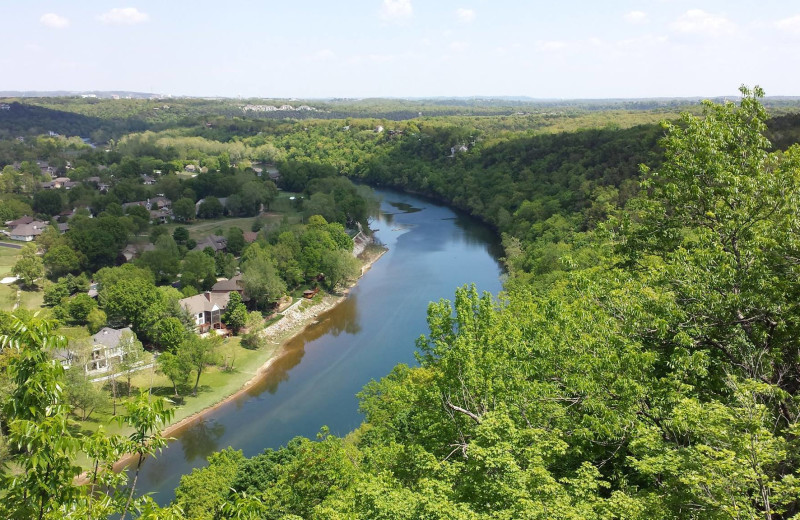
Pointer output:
x,y
27,232
107,349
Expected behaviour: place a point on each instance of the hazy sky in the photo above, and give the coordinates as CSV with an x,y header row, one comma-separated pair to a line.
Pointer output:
x,y
369,48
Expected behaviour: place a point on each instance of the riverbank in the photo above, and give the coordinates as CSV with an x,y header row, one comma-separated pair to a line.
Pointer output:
x,y
275,337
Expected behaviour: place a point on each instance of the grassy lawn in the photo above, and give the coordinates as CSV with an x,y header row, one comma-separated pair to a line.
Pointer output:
x,y
8,257
234,367
31,299
8,295
203,228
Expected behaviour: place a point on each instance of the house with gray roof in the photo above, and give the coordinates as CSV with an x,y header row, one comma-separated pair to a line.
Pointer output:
x,y
27,232
215,242
108,349
206,309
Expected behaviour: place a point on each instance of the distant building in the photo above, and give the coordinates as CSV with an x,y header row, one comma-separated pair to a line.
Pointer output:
x,y
235,284
27,232
215,242
20,221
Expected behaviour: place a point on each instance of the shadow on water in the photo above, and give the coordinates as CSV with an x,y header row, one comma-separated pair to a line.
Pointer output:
x,y
342,318
404,207
201,438
479,235
314,380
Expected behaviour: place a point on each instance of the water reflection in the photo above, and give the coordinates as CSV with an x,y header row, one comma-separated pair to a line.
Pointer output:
x,y
404,207
342,318
201,439
315,379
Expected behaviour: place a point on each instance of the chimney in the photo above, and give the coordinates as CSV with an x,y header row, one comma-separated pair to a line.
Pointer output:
x,y
207,295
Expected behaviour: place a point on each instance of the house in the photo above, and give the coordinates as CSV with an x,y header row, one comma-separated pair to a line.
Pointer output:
x,y
20,221
206,309
141,203
147,180
131,250
160,216
103,186
222,200
215,242
191,168
27,232
160,202
234,284
250,236
107,349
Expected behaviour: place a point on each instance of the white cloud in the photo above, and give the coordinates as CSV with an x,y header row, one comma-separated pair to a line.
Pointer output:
x,y
53,20
791,25
636,17
459,46
550,46
396,10
465,15
323,55
697,21
124,16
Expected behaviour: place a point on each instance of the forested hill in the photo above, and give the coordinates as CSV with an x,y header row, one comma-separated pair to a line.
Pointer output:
x,y
642,363
659,382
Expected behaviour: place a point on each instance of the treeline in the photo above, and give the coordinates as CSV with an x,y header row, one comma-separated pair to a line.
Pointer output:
x,y
660,382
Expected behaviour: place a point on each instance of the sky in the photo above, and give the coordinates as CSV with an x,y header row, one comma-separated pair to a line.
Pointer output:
x,y
403,48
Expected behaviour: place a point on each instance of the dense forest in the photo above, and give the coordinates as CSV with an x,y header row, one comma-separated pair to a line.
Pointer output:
x,y
642,361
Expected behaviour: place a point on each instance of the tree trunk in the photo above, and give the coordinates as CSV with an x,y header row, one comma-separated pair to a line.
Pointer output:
x,y
196,383
114,394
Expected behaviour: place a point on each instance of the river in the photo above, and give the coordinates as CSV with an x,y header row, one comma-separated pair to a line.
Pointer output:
x,y
432,250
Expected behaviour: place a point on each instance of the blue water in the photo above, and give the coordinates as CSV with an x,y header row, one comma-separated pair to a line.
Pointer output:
x,y
432,250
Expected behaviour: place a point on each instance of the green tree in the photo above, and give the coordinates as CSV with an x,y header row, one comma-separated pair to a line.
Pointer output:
x,y
339,267
210,208
136,302
176,368
198,353
96,320
171,333
197,269
131,356
147,418
82,394
29,268
261,280
48,202
184,210
235,316
80,306
163,261
61,260
181,235
100,239
203,493
236,243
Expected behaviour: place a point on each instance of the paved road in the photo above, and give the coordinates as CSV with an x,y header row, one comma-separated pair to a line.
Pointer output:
x,y
12,246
